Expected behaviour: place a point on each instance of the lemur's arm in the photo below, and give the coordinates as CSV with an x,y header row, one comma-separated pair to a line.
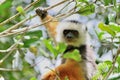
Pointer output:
x,y
51,25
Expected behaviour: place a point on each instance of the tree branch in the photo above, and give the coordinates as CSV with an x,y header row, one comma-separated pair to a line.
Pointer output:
x,y
113,66
11,18
21,22
11,49
4,69
22,30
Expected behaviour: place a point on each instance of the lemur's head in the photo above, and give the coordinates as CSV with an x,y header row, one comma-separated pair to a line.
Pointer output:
x,y
71,32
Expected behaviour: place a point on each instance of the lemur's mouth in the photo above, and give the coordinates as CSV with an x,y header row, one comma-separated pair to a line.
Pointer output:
x,y
71,40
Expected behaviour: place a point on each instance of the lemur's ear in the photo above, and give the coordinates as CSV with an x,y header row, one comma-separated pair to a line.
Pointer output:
x,y
41,12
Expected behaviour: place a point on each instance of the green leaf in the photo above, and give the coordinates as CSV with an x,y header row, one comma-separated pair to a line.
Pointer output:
x,y
66,78
50,47
87,9
55,50
96,76
116,69
100,35
2,28
109,63
32,37
114,2
103,67
118,60
119,8
33,78
33,34
61,47
5,8
115,27
28,42
20,10
106,28
82,0
107,2
73,55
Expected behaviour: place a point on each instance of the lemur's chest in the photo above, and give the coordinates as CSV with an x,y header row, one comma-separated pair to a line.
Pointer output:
x,y
76,70
72,70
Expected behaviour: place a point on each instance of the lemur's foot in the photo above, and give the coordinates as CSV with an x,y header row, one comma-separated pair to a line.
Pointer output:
x,y
41,12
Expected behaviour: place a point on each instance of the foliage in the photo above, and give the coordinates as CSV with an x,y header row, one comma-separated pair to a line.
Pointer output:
x,y
73,55
85,8
20,10
55,50
16,42
5,10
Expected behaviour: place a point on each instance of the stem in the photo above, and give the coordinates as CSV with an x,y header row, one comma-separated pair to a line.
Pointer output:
x,y
64,7
16,25
4,69
11,18
11,30
13,47
21,22
113,66
56,4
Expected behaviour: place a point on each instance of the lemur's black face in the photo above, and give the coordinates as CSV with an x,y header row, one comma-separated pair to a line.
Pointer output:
x,y
70,35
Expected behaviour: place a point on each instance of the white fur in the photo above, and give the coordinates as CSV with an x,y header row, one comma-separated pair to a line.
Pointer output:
x,y
72,26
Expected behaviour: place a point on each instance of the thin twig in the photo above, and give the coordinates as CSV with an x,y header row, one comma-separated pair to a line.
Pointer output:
x,y
56,4
55,72
113,65
4,69
16,25
19,31
64,7
26,29
9,49
20,23
11,18
13,47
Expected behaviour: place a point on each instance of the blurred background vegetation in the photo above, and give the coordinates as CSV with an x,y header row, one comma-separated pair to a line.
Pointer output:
x,y
25,47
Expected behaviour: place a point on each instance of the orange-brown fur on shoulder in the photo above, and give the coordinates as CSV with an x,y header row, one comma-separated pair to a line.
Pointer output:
x,y
71,70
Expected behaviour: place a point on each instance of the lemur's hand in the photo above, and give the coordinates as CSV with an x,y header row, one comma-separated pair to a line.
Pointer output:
x,y
49,76
41,12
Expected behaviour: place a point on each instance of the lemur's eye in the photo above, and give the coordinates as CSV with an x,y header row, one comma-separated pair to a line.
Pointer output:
x,y
75,32
65,32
